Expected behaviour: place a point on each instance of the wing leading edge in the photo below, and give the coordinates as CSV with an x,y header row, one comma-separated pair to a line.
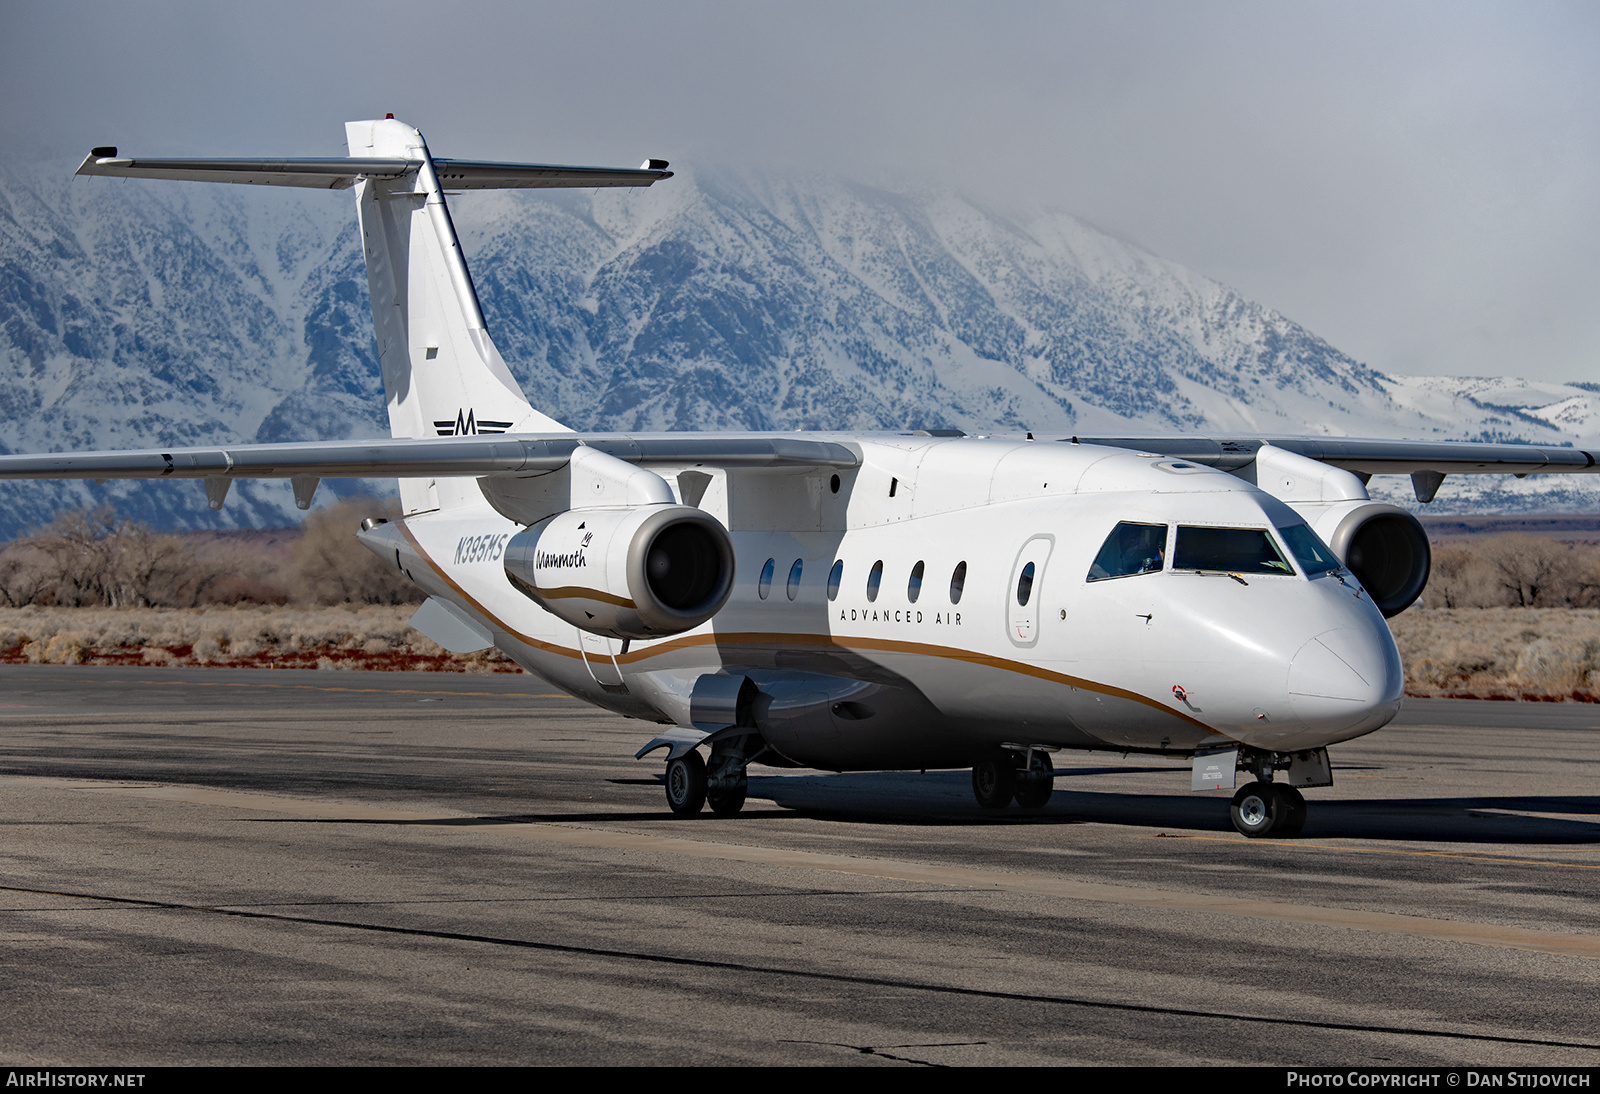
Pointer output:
x,y
456,456
1364,456
503,454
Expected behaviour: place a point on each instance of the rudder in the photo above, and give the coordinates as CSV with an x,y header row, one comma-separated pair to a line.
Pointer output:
x,y
442,374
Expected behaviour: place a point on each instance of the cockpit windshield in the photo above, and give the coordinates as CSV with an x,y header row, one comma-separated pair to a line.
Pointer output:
x,y
1130,549
1229,550
1313,555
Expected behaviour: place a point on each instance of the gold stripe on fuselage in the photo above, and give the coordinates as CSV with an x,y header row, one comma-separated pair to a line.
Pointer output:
x,y
578,592
780,640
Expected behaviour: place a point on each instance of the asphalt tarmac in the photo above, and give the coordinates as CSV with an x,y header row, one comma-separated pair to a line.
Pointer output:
x,y
220,866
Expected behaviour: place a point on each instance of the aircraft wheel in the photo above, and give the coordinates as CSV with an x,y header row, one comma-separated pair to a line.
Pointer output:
x,y
1262,809
1035,785
1295,811
728,800
686,784
994,780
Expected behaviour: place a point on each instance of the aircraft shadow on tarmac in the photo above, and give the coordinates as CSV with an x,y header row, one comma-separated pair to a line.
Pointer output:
x,y
944,799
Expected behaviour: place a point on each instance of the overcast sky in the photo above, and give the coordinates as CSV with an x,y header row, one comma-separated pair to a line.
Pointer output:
x,y
1417,183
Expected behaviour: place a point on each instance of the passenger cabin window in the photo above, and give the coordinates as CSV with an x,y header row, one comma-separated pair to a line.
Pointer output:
x,y
914,586
1129,550
1025,585
958,582
1228,550
793,588
874,579
835,576
1314,556
764,586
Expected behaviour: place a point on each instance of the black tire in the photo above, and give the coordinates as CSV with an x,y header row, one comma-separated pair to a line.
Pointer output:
x,y
1035,785
1261,809
686,784
727,801
1295,811
994,780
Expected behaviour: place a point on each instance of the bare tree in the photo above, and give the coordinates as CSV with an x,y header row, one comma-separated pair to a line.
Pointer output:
x,y
1533,571
329,566
1460,579
79,545
26,574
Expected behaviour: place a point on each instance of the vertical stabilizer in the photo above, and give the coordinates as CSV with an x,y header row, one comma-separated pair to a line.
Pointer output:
x,y
442,375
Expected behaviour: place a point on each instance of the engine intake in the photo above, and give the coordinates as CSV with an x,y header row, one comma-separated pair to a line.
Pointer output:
x,y
1384,546
644,571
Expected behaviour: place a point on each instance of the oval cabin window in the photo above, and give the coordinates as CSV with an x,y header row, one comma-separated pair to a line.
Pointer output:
x,y
1025,585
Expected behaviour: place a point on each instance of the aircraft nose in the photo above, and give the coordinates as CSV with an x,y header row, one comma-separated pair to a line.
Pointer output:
x,y
1346,681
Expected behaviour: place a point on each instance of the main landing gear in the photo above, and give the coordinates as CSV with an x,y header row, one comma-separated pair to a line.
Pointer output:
x,y
691,782
1007,774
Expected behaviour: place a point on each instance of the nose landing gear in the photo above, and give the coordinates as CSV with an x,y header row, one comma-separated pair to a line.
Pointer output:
x,y
1268,809
1266,806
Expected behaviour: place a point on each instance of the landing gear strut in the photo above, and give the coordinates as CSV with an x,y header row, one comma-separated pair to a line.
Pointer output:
x,y
727,781
1037,782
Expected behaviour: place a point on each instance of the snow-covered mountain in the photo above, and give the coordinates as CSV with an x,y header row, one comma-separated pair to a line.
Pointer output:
x,y
135,314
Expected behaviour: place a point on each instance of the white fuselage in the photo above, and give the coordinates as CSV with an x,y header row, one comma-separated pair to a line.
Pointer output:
x,y
1169,660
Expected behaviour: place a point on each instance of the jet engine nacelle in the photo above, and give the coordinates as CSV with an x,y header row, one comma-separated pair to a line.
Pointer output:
x,y
1383,545
642,571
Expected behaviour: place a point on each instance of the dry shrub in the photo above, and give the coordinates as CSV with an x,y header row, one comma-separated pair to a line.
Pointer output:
x,y
89,558
346,636
1514,570
329,565
1539,651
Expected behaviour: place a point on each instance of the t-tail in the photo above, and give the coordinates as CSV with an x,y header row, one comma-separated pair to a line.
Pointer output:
x,y
442,375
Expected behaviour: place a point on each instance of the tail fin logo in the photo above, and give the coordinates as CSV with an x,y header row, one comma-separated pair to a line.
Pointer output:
x,y
467,424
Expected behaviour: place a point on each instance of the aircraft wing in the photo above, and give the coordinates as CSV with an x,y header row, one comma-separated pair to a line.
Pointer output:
x,y
500,454
1369,457
1427,462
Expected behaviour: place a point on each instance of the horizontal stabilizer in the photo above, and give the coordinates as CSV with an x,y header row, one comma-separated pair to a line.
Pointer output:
x,y
341,172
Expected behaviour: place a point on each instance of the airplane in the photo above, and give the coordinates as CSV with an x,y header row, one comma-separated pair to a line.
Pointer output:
x,y
852,601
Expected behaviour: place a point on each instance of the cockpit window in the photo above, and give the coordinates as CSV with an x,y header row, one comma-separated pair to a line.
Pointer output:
x,y
1313,555
1230,550
1130,549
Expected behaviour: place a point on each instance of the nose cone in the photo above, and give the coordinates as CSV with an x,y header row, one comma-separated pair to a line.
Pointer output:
x,y
1345,682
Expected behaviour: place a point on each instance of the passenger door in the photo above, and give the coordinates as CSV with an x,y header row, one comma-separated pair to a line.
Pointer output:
x,y
1023,594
